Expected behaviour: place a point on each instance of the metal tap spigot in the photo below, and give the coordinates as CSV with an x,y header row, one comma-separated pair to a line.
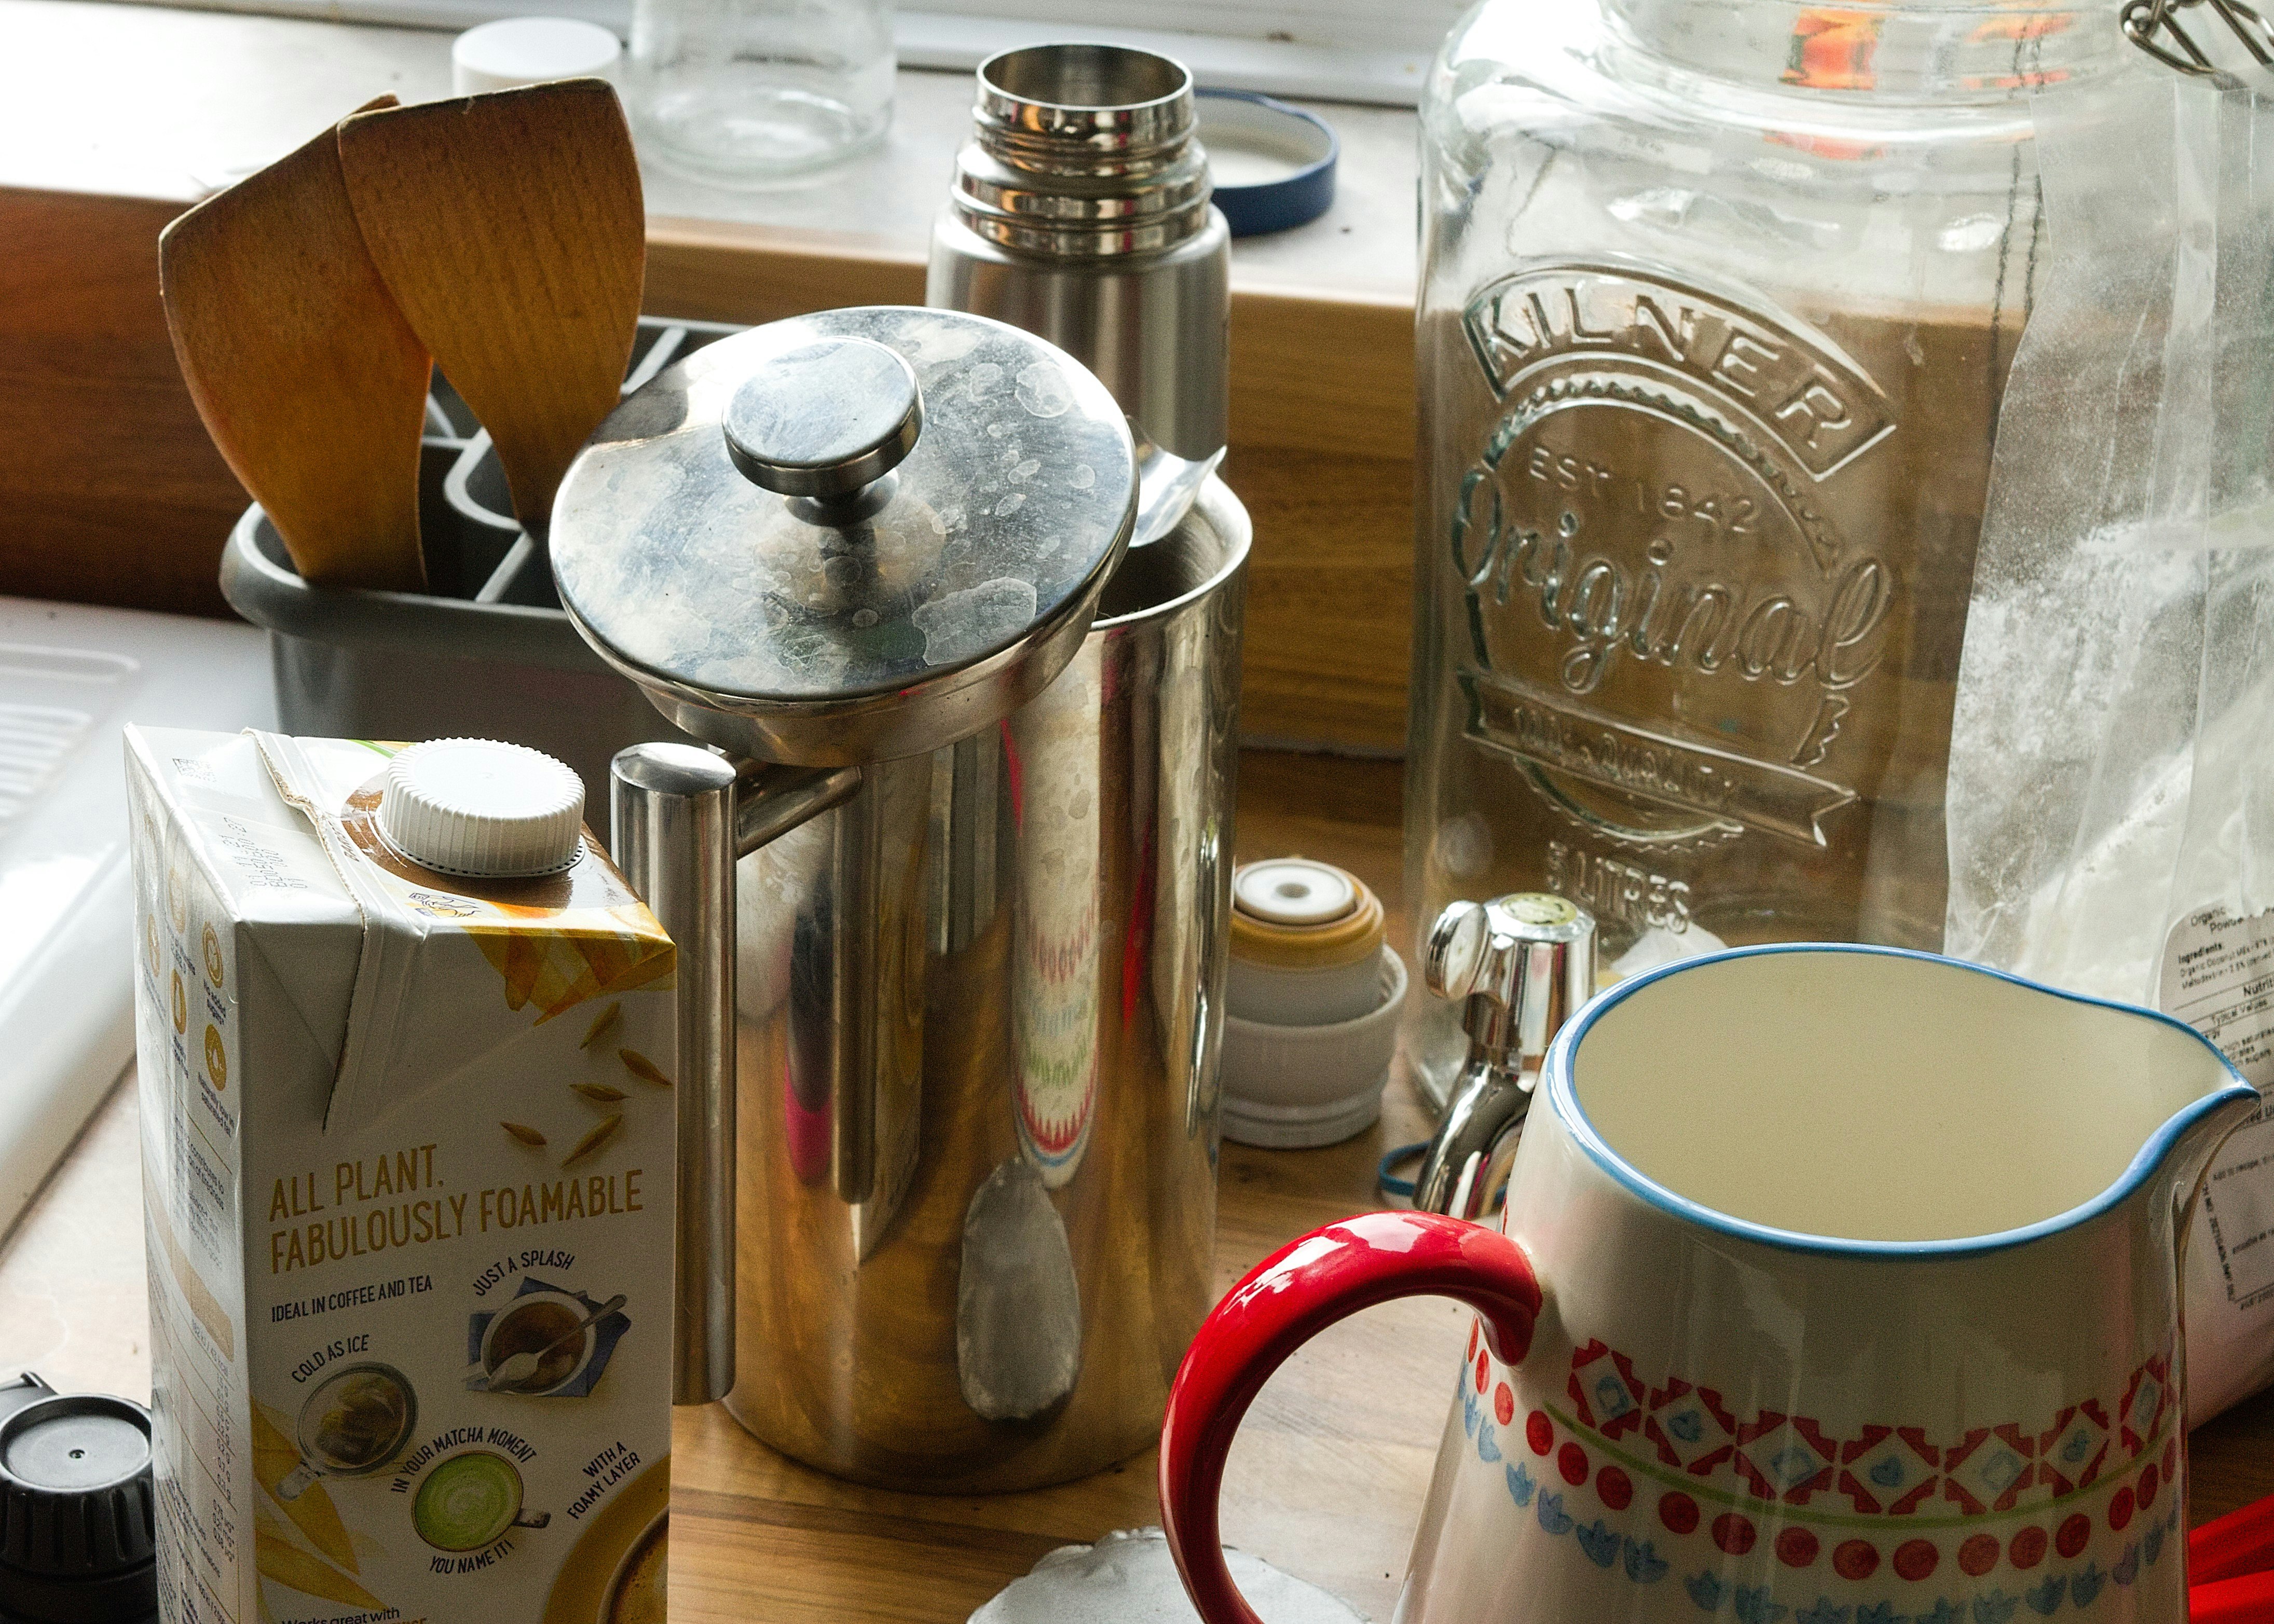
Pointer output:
x,y
1524,963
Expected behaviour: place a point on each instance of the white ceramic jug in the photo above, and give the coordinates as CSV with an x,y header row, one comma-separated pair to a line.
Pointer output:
x,y
1835,1286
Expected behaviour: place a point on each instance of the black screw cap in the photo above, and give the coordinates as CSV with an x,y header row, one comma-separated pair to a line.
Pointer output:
x,y
77,1513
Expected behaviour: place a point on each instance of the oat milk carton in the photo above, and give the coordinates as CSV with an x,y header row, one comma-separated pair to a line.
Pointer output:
x,y
406,1055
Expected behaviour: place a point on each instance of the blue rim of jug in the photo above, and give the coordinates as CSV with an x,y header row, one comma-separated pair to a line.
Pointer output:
x,y
2143,1163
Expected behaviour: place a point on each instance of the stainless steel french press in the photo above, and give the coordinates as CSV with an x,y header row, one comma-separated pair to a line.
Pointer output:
x,y
950,891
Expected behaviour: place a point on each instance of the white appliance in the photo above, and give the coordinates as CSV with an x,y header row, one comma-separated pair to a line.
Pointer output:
x,y
71,678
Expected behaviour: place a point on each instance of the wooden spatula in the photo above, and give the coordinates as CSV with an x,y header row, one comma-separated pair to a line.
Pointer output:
x,y
308,378
509,228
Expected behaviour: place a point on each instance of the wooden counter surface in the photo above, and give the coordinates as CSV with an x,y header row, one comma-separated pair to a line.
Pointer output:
x,y
1326,1478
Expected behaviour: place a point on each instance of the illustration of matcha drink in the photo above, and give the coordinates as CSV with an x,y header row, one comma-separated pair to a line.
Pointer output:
x,y
469,1500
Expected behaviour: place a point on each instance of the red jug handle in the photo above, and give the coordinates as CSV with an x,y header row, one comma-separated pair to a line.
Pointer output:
x,y
2242,1542
1290,1297
2247,1599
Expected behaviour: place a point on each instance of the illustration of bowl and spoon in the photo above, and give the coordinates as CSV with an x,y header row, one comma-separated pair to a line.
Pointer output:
x,y
537,1343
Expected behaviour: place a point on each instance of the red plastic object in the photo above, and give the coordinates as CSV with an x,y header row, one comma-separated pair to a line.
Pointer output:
x,y
1290,1297
2248,1599
2241,1542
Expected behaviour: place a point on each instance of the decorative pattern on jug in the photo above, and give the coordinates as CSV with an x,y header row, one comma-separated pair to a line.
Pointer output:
x,y
2006,1522
1884,1470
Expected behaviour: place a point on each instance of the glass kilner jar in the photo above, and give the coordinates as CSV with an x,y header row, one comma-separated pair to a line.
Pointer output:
x,y
1718,301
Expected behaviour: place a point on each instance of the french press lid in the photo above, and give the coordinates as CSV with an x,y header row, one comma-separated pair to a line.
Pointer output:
x,y
848,537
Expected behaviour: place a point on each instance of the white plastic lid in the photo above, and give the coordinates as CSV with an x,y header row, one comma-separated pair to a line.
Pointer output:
x,y
485,810
1128,1577
531,51
1294,890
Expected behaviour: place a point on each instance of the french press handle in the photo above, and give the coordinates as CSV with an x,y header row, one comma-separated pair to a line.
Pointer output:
x,y
823,426
680,817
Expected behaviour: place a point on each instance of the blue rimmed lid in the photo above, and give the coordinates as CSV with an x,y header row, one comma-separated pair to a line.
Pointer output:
x,y
1272,164
1564,1097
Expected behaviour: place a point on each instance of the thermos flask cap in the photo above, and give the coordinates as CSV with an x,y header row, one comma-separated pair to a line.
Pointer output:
x,y
1294,914
78,1519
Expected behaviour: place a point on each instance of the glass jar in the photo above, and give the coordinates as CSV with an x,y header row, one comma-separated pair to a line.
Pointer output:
x,y
1717,304
743,91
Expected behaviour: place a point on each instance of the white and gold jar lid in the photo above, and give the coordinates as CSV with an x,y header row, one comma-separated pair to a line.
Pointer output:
x,y
1312,1001
1293,914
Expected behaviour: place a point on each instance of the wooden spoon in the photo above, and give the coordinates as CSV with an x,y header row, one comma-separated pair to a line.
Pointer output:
x,y
510,228
308,378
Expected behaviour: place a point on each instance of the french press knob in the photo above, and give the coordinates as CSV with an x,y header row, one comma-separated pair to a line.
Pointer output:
x,y
824,424
818,545
1521,966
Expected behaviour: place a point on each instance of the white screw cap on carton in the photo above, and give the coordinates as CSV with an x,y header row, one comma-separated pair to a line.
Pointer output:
x,y
531,51
482,810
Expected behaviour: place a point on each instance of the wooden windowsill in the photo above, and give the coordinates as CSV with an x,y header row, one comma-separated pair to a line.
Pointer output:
x,y
114,496
173,103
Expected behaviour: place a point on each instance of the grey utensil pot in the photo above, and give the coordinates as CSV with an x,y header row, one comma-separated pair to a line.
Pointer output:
x,y
486,652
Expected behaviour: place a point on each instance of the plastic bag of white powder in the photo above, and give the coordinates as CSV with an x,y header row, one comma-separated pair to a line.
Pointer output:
x,y
2112,770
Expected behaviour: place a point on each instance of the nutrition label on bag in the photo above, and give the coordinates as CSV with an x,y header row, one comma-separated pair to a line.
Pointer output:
x,y
2219,977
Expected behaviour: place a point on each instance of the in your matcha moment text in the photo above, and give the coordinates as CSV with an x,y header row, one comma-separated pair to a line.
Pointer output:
x,y
397,1198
